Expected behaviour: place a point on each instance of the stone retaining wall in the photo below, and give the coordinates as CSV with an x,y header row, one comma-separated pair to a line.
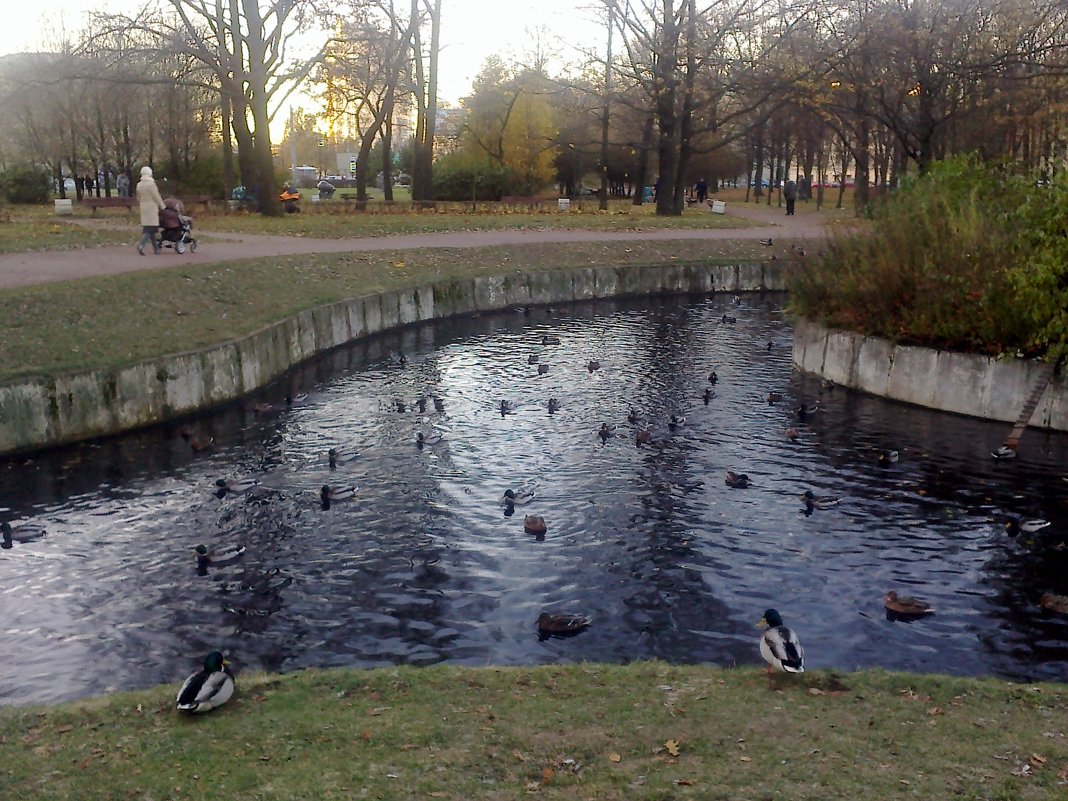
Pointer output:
x,y
43,412
977,386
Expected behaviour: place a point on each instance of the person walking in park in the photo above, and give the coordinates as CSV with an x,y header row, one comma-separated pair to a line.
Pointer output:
x,y
122,183
789,192
151,204
702,190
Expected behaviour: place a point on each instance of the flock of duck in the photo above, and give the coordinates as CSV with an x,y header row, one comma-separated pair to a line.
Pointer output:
x,y
779,646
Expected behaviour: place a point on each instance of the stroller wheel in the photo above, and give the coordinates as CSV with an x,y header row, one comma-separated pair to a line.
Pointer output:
x,y
180,247
192,246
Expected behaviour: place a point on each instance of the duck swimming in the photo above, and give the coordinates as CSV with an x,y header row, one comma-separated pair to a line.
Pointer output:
x,y
804,410
904,607
532,358
1014,526
209,688
328,493
534,524
561,625
197,443
554,405
422,439
605,431
337,456
709,395
727,319
779,646
791,434
1004,453
550,340
507,407
216,558
737,480
774,397
632,417
813,501
235,485
1054,603
593,366
713,377
676,422
887,458
542,370
643,437
513,498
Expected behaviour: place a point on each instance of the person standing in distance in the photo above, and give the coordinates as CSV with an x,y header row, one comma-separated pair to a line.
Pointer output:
x,y
789,193
151,204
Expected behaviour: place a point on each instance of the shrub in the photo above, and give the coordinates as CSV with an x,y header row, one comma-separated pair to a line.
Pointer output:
x,y
26,184
459,177
936,268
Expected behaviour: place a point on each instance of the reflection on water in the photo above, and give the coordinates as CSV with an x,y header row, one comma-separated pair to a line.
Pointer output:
x,y
100,587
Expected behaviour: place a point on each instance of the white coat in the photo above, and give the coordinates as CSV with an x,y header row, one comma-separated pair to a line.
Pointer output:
x,y
150,201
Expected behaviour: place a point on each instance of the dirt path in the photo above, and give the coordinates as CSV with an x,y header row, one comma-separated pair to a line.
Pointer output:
x,y
25,269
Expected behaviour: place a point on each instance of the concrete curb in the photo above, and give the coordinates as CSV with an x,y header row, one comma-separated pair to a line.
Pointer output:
x,y
976,386
38,413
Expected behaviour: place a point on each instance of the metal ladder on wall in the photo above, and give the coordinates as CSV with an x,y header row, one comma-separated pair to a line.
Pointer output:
x,y
1012,442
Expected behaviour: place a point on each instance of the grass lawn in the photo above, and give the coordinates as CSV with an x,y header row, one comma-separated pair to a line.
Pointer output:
x,y
87,324
31,229
640,732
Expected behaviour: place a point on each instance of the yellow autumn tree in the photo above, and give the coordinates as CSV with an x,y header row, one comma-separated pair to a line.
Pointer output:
x,y
510,124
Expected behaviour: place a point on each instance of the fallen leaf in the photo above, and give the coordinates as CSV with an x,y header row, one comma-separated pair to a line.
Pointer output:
x,y
745,759
1037,759
615,758
438,794
547,776
936,710
533,787
64,729
815,691
672,747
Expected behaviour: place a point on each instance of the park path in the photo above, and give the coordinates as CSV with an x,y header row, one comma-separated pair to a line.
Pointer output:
x,y
26,269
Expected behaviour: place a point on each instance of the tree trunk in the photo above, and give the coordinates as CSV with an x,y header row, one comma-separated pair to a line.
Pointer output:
x,y
642,177
602,203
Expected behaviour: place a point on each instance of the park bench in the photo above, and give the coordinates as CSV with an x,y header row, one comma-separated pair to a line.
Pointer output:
x,y
204,200
109,203
519,200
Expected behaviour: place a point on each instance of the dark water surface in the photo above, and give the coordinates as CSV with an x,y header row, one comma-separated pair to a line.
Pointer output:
x,y
100,589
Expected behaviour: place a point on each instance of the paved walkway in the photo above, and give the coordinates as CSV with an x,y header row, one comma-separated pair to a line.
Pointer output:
x,y
25,269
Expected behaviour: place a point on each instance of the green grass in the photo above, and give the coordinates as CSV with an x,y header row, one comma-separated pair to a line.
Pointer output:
x,y
29,231
49,329
640,732
338,221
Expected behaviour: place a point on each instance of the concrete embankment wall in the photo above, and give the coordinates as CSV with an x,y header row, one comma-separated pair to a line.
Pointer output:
x,y
978,386
38,413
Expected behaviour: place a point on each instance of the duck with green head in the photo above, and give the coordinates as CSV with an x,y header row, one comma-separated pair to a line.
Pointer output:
x,y
779,646
209,688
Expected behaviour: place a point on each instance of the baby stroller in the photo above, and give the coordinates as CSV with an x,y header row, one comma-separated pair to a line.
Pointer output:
x,y
176,226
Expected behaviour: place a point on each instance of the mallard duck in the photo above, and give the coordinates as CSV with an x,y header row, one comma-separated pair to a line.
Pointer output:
x,y
779,646
713,377
791,434
7,536
643,437
420,404
819,501
562,625
262,408
774,397
534,524
887,458
632,417
1004,453
542,370
593,366
293,400
507,407
328,493
905,607
208,688
550,340
554,405
709,395
1014,526
729,319
197,443
513,498
422,439
676,422
532,358
769,346
336,456
605,431
737,480
766,242
805,409
400,406
216,558
235,485
439,405
1054,603
827,384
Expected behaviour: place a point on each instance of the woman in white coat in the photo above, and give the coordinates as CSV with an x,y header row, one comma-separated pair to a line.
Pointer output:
x,y
151,204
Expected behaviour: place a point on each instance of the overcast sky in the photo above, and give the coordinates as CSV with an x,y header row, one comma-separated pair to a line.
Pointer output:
x,y
471,30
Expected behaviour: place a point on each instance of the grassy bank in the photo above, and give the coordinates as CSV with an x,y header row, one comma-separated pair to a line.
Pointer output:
x,y
87,324
636,732
33,232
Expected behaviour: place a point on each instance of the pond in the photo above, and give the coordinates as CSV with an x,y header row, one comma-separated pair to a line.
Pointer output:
x,y
100,589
